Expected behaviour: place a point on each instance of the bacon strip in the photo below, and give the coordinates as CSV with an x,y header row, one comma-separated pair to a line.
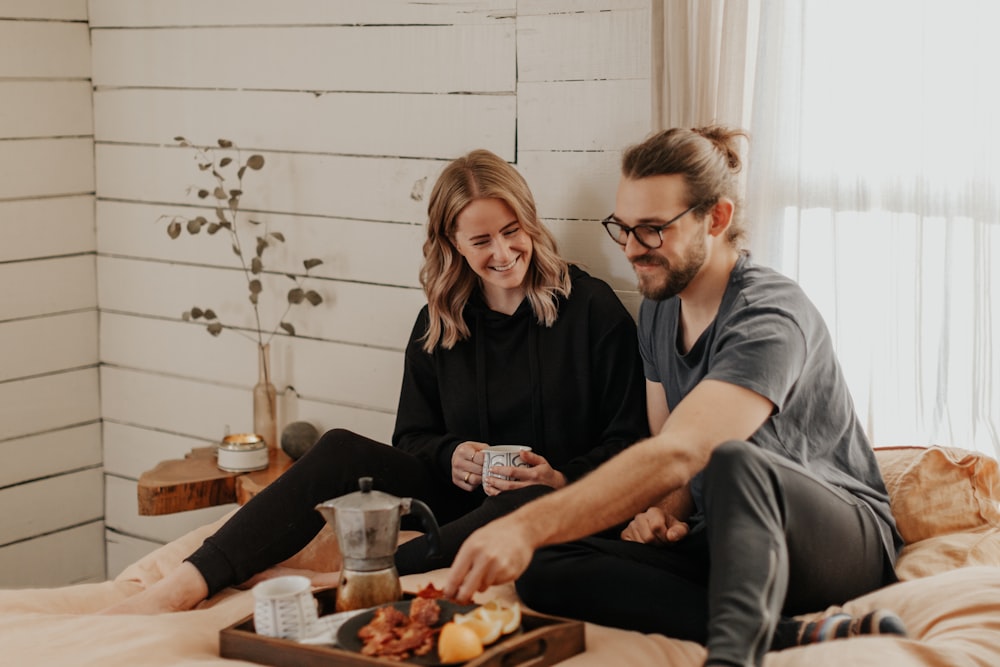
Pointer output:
x,y
393,635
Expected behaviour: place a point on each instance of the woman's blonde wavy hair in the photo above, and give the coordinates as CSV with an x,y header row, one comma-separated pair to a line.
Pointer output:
x,y
446,277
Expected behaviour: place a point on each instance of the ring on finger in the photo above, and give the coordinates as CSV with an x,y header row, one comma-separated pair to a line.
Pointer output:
x,y
467,476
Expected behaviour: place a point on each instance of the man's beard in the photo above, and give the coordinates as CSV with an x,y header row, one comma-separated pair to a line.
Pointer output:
x,y
673,280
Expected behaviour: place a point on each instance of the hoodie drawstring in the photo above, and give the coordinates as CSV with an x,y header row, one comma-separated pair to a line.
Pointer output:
x,y
482,398
535,376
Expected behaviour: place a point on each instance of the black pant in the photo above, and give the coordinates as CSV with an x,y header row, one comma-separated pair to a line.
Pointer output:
x,y
775,541
279,521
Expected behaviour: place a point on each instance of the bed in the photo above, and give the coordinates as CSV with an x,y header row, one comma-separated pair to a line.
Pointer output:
x,y
945,501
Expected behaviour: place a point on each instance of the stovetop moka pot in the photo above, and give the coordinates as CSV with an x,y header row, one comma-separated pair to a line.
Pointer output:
x,y
366,524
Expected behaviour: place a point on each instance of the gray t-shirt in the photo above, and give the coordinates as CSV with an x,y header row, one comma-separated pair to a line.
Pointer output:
x,y
769,338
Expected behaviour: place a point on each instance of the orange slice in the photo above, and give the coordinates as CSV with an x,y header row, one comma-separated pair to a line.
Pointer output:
x,y
509,615
487,629
458,643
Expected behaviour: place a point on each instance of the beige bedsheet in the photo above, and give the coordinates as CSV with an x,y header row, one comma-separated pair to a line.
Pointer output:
x,y
950,599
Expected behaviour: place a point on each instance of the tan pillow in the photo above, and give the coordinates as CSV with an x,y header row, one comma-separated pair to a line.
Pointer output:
x,y
940,490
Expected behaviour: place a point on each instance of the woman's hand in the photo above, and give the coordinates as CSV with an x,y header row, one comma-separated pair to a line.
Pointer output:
x,y
538,472
467,465
654,526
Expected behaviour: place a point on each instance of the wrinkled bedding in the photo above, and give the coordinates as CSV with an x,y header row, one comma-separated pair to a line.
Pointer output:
x,y
945,501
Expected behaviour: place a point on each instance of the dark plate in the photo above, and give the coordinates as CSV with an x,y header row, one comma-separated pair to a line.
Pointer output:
x,y
347,635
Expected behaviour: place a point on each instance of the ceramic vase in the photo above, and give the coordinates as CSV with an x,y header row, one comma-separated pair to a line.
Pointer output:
x,y
265,400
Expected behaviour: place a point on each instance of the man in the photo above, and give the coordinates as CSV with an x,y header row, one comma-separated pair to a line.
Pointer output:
x,y
759,497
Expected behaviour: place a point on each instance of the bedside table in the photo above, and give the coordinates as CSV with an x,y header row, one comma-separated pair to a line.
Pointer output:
x,y
194,482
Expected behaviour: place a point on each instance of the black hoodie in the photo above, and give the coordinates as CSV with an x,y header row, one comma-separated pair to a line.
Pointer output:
x,y
573,392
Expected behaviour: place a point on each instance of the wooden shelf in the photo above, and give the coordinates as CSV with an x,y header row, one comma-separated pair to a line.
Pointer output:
x,y
195,482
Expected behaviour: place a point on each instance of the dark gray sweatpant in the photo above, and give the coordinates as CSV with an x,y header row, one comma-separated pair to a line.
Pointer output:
x,y
775,542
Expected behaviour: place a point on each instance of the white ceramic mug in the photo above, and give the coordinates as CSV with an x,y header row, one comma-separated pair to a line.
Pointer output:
x,y
502,455
285,607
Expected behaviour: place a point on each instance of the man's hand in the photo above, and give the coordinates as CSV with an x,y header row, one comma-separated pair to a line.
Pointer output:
x,y
654,526
495,554
538,472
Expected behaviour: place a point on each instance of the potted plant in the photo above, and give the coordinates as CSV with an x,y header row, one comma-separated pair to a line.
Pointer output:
x,y
224,170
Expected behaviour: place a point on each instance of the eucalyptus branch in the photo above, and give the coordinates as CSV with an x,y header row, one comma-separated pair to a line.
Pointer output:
x,y
252,270
215,325
297,296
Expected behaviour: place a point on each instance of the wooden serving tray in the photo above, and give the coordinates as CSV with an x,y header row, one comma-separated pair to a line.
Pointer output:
x,y
545,640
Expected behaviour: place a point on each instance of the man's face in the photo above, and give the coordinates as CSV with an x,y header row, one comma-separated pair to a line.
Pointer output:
x,y
668,270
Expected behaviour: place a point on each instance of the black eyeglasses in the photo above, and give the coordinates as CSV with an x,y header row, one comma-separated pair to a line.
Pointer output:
x,y
648,236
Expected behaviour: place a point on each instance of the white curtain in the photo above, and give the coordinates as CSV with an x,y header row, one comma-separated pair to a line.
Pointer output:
x,y
873,180
703,61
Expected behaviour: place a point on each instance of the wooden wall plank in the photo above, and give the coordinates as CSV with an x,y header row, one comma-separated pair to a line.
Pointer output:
x,y
601,121
536,7
122,514
65,10
48,403
405,125
50,435
45,167
123,550
377,425
572,185
52,453
47,286
131,450
37,228
44,49
144,13
345,315
204,411
356,250
68,557
316,369
174,405
45,109
55,502
286,58
363,188
584,46
48,344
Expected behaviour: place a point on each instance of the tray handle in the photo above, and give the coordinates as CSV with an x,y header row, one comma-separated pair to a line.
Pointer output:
x,y
525,651
540,647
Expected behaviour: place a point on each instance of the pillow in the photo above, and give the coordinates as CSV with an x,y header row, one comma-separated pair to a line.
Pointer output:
x,y
940,490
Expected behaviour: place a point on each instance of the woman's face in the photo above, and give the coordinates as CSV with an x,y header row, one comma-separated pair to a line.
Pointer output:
x,y
496,247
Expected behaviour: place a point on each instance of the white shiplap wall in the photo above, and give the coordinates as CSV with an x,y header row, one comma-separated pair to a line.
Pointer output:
x,y
356,106
51,482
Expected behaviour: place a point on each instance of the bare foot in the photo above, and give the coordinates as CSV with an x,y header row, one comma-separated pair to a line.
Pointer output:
x,y
181,589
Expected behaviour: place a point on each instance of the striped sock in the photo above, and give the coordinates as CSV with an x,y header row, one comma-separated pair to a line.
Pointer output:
x,y
842,626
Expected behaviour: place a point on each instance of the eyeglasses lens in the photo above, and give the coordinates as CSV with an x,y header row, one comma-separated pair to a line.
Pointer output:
x,y
646,235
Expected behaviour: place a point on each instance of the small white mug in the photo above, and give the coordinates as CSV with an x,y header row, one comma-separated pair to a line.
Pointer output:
x,y
502,455
285,607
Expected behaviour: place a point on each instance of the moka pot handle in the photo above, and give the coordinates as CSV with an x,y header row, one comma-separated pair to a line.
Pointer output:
x,y
429,523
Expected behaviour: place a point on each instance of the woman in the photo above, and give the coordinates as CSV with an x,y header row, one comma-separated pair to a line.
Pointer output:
x,y
514,346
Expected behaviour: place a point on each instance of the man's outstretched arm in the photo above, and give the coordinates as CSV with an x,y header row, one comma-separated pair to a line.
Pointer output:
x,y
645,473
